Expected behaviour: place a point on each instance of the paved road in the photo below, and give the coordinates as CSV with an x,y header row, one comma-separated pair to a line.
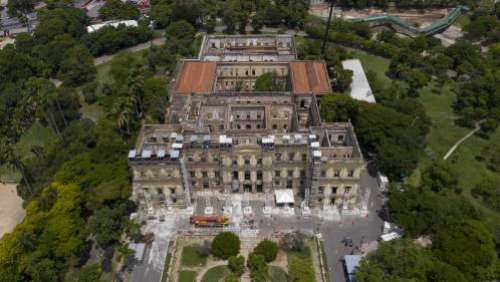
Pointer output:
x,y
367,229
139,47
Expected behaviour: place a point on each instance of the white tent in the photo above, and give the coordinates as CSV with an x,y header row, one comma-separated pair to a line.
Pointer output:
x,y
360,88
284,196
115,24
352,265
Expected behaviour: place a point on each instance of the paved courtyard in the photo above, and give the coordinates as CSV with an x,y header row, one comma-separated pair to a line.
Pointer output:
x,y
361,229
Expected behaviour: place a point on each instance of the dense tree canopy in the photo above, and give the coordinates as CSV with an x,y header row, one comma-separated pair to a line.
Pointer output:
x,y
403,260
118,10
393,136
469,247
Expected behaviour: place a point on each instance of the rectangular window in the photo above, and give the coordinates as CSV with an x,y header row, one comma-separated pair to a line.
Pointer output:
x,y
259,188
334,190
247,175
337,173
323,173
205,184
235,175
205,174
321,190
259,175
347,189
277,173
350,173
289,184
247,161
290,173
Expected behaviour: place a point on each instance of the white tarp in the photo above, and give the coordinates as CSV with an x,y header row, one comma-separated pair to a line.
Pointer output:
x,y
360,88
352,265
284,196
96,27
138,250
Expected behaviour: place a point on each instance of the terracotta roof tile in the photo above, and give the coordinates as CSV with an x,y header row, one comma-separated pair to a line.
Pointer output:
x,y
310,76
196,77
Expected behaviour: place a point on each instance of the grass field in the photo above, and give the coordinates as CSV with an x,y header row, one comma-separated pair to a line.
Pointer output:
x,y
187,276
216,274
373,63
191,257
300,264
277,274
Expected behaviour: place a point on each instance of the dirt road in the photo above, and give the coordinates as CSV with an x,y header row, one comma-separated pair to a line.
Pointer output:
x,y
11,209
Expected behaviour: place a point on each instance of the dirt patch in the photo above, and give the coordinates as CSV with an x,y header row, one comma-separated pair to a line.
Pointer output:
x,y
11,208
5,40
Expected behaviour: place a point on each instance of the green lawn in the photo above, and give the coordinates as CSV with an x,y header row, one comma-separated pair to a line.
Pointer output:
x,y
191,257
37,135
277,274
373,63
300,265
216,274
187,276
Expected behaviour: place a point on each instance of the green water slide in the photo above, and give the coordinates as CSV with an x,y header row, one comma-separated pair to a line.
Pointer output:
x,y
434,28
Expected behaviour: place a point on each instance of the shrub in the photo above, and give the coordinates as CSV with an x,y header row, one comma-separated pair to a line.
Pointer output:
x,y
301,270
225,245
292,241
258,267
232,278
237,265
268,249
88,92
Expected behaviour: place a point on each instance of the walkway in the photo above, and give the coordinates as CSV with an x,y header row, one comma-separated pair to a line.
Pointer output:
x,y
477,126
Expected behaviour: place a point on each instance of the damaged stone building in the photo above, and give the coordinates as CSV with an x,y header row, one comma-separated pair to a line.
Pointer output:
x,y
227,139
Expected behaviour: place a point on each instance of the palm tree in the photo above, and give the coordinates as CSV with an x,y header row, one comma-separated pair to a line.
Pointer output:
x,y
9,157
44,94
124,109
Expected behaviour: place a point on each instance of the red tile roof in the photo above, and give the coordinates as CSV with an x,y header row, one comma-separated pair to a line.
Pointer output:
x,y
196,77
310,76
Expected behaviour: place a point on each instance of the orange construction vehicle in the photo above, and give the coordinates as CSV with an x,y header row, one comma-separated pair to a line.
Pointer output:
x,y
209,221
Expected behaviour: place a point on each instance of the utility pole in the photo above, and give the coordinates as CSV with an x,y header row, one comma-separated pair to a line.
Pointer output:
x,y
325,39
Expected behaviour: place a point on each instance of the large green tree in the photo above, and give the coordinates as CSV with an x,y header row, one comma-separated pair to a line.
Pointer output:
x,y
403,260
469,247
